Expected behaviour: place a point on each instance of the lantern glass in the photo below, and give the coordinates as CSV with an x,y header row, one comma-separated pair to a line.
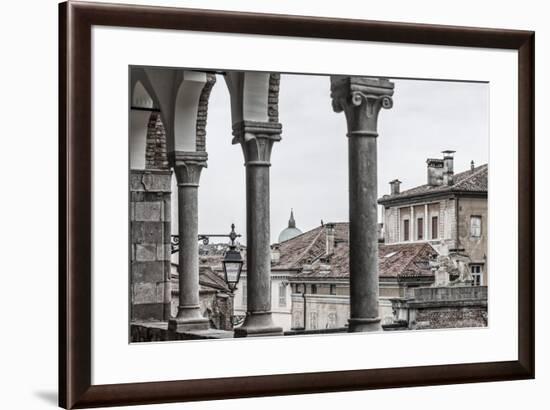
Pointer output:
x,y
232,266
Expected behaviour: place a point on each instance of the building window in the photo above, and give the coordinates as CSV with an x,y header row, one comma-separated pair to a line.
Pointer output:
x,y
477,274
420,228
406,230
435,227
333,289
475,226
313,289
243,290
282,295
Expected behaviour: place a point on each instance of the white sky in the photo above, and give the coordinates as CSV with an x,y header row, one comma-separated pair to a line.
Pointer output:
x,y
309,165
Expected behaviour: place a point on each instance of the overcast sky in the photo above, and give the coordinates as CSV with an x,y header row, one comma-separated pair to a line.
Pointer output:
x,y
309,166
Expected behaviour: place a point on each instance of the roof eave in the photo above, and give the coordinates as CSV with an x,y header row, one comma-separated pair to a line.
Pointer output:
x,y
430,195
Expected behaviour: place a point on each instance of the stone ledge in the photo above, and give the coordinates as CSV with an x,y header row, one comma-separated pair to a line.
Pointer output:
x,y
158,332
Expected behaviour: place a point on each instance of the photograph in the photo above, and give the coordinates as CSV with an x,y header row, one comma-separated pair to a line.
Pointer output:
x,y
265,202
291,204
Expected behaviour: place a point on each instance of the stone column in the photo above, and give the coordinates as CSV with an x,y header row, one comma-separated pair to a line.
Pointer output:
x,y
398,224
188,167
413,225
426,221
256,139
361,99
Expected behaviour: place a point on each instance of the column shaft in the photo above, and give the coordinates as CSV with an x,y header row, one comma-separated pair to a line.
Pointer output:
x,y
188,261
257,146
188,166
361,99
258,238
363,234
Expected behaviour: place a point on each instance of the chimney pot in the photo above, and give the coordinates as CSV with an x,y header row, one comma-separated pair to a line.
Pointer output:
x,y
394,186
448,167
275,253
435,171
329,238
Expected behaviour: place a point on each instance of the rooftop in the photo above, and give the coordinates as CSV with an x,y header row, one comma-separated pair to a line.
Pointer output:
x,y
474,181
306,253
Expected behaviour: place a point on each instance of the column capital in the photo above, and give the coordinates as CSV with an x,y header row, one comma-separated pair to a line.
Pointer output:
x,y
188,166
256,139
361,99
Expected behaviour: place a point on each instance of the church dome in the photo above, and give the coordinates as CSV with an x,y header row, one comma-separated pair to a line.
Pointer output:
x,y
291,231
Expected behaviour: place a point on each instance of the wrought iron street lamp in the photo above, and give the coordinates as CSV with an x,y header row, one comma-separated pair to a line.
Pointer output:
x,y
232,262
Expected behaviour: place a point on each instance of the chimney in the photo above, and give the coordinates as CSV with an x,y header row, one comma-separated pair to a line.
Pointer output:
x,y
330,238
448,167
275,253
394,186
472,165
380,232
435,171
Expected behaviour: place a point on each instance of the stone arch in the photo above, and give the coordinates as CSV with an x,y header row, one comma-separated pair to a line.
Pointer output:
x,y
249,93
142,112
191,110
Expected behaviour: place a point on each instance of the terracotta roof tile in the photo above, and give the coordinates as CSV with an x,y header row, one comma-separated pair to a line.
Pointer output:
x,y
307,253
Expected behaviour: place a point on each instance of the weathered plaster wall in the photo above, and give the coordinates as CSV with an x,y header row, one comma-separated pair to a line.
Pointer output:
x,y
476,248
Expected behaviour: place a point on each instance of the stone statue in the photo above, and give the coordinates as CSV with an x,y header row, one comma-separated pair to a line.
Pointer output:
x,y
445,266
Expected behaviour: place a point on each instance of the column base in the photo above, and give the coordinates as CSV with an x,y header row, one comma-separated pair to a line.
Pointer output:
x,y
188,319
364,325
258,325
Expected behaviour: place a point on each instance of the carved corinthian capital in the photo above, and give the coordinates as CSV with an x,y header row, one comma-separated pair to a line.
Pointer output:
x,y
188,166
256,139
361,99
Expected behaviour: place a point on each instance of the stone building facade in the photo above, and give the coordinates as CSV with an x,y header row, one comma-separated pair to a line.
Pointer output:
x,y
449,212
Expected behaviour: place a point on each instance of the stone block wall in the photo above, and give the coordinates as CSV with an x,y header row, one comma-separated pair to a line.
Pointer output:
x,y
155,150
451,317
202,112
150,245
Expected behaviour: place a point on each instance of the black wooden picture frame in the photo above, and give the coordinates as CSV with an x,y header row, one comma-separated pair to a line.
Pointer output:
x,y
75,61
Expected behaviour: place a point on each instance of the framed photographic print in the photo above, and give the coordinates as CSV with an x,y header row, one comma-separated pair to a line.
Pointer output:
x,y
266,204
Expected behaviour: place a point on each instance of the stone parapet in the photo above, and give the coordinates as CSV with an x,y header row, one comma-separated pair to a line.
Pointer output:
x,y
443,307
